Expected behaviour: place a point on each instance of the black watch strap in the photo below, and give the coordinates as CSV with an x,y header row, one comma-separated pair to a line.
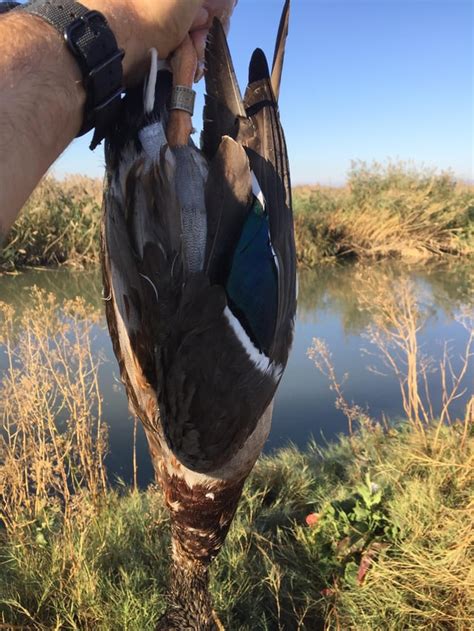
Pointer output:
x,y
8,6
94,47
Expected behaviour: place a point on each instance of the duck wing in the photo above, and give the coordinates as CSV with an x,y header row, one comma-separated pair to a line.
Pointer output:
x,y
265,144
260,272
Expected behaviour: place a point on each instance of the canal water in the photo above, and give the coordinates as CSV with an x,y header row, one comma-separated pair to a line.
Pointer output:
x,y
337,304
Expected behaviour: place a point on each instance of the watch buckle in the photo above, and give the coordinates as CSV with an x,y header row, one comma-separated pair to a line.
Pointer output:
x,y
78,23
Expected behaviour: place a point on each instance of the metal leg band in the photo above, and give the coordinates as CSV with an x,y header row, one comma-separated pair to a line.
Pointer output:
x,y
182,98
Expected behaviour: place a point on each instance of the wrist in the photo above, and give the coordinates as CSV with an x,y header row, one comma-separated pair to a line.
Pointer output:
x,y
124,24
93,46
56,74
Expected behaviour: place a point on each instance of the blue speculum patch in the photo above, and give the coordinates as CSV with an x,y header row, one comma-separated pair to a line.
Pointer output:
x,y
252,285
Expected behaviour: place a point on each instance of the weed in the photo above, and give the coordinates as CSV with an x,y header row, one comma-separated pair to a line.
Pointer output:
x,y
391,210
59,224
52,438
385,210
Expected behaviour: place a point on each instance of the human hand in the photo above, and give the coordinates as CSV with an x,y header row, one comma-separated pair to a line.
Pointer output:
x,y
140,25
199,31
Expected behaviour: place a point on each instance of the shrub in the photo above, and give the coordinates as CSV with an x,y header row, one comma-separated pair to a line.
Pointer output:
x,y
59,224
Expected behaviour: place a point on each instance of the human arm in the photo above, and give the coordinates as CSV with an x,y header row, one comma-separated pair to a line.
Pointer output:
x,y
41,91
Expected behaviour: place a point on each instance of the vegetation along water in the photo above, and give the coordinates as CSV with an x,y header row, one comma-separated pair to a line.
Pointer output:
x,y
384,210
363,522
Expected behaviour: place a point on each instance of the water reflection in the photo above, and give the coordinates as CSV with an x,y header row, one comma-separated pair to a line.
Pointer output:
x,y
63,283
449,286
335,303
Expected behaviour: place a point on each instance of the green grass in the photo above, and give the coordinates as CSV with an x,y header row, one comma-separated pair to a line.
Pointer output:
x,y
397,497
392,210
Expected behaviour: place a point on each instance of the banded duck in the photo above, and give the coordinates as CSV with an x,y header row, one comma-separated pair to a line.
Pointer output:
x,y
198,261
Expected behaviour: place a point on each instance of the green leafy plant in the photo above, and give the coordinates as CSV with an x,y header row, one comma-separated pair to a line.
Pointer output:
x,y
350,532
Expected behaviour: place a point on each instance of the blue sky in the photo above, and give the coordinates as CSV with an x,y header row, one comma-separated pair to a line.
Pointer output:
x,y
363,79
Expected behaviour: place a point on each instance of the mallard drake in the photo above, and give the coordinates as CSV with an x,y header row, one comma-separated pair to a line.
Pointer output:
x,y
198,260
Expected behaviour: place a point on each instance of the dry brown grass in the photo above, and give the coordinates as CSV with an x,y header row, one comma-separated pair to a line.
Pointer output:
x,y
391,210
52,437
58,225
398,314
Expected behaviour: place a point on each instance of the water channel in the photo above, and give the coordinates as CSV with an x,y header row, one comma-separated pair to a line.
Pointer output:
x,y
337,304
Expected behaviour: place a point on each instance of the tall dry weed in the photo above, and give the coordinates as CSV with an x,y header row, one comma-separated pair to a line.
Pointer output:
x,y
58,224
52,437
386,210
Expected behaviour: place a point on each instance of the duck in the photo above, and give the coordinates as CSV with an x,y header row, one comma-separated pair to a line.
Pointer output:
x,y
199,273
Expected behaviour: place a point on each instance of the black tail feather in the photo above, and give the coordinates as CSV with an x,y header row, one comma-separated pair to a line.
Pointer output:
x,y
258,68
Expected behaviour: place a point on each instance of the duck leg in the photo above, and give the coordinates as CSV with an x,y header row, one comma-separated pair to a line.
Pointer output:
x,y
191,168
183,64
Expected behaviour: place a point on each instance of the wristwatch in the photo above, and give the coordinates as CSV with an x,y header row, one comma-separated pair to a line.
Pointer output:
x,y
90,40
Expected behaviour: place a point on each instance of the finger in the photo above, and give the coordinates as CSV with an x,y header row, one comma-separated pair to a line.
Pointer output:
x,y
201,20
200,68
199,39
176,23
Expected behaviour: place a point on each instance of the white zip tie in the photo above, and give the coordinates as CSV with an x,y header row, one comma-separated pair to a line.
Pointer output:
x,y
149,98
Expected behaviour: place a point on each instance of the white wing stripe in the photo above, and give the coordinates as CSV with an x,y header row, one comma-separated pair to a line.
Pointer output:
x,y
259,359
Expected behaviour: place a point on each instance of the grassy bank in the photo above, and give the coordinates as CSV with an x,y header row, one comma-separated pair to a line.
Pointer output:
x,y
390,545
371,532
384,211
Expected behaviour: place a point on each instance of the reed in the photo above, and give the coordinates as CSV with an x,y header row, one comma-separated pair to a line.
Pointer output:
x,y
52,435
58,225
398,313
390,210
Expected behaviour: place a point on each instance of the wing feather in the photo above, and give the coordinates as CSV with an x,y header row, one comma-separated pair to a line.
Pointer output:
x,y
223,101
279,54
228,197
267,152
